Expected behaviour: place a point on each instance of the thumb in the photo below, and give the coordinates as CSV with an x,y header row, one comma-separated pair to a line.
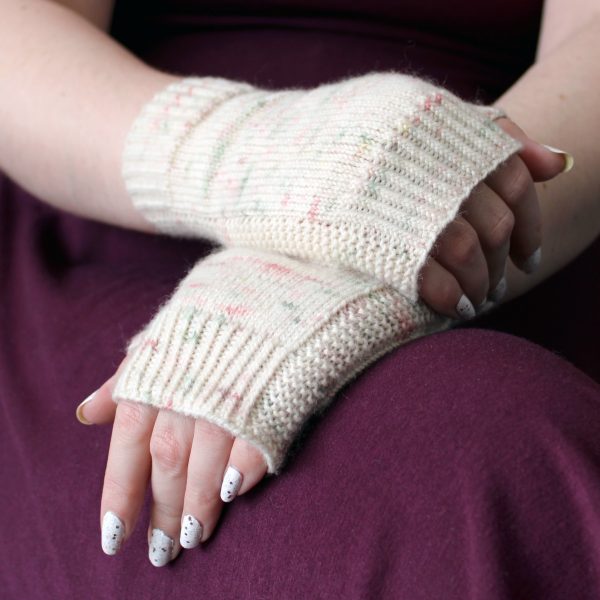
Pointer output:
x,y
99,408
543,162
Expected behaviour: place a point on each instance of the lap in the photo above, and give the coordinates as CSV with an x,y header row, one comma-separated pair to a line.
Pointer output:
x,y
461,461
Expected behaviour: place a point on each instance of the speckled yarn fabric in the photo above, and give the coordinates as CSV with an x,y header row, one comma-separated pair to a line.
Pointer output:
x,y
364,172
256,342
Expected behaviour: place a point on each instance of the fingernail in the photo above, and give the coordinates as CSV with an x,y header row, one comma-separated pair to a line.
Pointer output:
x,y
486,307
569,160
231,484
533,262
498,292
113,531
464,308
191,532
79,413
160,549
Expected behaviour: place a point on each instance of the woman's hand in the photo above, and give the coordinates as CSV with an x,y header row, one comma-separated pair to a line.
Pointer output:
x,y
188,463
500,218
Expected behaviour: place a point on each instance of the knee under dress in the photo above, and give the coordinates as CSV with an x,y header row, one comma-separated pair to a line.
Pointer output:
x,y
462,465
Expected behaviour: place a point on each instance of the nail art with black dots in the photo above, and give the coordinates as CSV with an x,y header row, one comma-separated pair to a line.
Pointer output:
x,y
160,550
191,532
113,531
231,484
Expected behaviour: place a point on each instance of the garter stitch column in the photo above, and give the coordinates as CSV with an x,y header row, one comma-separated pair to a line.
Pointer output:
x,y
257,342
364,172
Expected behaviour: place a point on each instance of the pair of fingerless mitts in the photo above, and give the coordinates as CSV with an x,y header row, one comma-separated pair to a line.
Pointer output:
x,y
327,202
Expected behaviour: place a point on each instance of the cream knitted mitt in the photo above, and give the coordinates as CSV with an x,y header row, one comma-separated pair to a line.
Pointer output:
x,y
257,342
365,172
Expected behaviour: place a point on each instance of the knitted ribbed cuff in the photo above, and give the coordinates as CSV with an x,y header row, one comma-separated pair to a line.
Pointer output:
x,y
364,173
256,343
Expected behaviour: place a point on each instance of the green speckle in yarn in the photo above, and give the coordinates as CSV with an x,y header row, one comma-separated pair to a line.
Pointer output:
x,y
188,383
289,305
372,187
189,312
244,180
366,139
191,336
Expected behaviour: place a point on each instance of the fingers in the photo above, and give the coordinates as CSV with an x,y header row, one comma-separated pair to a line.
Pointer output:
x,y
99,407
127,471
194,466
543,163
459,251
193,472
493,222
442,292
170,446
513,183
221,467
249,461
202,504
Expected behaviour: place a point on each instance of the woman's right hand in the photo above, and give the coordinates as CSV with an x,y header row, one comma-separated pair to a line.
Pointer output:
x,y
500,218
185,460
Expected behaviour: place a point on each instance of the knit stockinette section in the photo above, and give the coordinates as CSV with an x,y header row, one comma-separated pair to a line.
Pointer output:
x,y
364,173
257,342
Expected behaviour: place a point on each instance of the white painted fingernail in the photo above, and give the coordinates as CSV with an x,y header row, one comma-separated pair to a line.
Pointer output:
x,y
231,484
113,530
160,549
533,262
78,412
498,292
464,308
486,307
569,160
191,532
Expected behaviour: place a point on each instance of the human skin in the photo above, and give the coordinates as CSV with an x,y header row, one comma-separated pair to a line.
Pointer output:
x,y
94,88
97,179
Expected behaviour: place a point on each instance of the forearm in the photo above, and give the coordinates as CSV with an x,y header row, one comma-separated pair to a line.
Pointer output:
x,y
555,102
68,95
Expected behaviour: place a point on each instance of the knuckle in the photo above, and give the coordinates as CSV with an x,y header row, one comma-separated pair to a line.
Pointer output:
x,y
502,230
466,247
166,451
130,421
209,430
517,185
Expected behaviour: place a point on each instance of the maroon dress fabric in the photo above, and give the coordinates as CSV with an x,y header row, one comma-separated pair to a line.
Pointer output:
x,y
463,465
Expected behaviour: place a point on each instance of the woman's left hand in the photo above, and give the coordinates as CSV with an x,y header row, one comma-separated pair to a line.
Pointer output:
x,y
193,465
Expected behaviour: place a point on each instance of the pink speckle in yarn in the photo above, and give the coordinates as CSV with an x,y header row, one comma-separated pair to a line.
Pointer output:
x,y
312,212
437,99
227,393
238,310
285,200
149,342
268,266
